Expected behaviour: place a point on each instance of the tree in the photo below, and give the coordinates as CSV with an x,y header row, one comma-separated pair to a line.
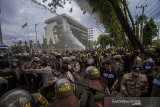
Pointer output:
x,y
156,43
150,31
105,40
25,43
44,45
31,43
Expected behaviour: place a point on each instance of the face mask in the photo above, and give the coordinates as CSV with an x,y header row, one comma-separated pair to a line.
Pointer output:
x,y
136,74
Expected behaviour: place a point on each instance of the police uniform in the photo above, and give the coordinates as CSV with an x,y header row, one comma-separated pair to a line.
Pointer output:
x,y
10,76
135,86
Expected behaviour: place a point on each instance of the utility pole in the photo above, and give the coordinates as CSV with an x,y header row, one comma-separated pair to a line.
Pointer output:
x,y
158,32
1,39
142,21
36,33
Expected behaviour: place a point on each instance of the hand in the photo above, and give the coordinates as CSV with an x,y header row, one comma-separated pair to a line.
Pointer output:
x,y
113,87
125,93
69,67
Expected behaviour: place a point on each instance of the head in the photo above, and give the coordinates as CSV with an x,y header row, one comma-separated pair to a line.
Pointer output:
x,y
16,98
92,72
36,60
108,65
63,88
4,64
136,71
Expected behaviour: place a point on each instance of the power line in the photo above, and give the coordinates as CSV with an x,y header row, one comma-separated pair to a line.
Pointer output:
x,y
152,6
144,2
154,11
139,2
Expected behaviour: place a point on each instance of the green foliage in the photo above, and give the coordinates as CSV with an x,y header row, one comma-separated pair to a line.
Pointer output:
x,y
44,45
105,40
156,43
144,17
38,43
150,31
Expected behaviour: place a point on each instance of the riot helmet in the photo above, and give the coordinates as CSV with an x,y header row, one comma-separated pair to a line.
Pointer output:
x,y
66,60
92,72
63,88
16,98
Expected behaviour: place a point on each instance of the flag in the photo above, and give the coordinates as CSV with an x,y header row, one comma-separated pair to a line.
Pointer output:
x,y
24,25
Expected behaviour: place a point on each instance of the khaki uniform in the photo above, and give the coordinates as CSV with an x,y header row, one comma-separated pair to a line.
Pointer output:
x,y
134,86
46,74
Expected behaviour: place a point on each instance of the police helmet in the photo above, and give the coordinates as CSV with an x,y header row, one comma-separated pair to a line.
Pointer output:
x,y
63,88
4,64
92,72
66,60
73,58
16,98
36,59
2,57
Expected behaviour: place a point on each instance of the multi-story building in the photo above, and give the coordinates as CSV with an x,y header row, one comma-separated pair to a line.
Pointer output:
x,y
66,32
93,34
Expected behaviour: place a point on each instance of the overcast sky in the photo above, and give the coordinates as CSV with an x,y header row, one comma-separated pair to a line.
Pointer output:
x,y
15,13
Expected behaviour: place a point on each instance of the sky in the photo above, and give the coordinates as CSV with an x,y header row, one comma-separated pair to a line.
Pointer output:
x,y
15,13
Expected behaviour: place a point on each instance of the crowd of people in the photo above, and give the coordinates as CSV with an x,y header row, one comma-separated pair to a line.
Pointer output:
x,y
77,78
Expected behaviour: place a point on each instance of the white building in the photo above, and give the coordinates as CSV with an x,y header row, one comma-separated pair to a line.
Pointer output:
x,y
65,32
93,34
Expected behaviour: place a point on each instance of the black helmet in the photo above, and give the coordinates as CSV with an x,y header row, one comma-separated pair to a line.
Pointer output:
x,y
73,58
4,64
16,98
66,60
92,72
3,85
63,88
2,57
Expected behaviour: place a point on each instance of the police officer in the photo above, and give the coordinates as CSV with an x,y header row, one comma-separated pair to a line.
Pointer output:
x,y
64,95
148,65
134,84
22,98
3,85
45,71
156,83
94,81
8,74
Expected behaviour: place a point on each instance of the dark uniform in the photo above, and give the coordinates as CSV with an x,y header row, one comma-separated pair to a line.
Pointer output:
x,y
8,74
3,85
